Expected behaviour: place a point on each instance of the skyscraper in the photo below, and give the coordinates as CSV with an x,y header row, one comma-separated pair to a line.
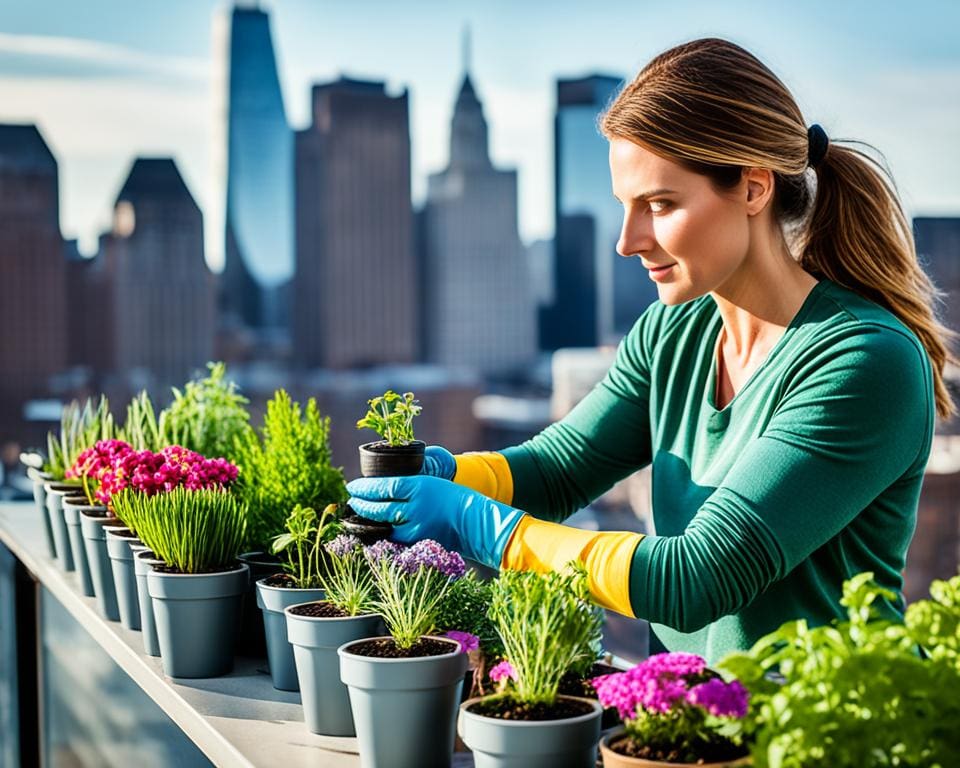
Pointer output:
x,y
938,248
160,294
355,297
598,294
479,307
33,286
253,172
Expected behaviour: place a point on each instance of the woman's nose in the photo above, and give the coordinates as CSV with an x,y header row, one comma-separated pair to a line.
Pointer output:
x,y
636,234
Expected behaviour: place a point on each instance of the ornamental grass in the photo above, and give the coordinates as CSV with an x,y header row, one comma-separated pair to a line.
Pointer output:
x,y
193,531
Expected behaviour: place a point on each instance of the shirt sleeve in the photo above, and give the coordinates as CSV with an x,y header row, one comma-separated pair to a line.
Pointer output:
x,y
605,438
852,421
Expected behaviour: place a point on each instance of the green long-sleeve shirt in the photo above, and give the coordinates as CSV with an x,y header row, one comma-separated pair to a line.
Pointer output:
x,y
811,474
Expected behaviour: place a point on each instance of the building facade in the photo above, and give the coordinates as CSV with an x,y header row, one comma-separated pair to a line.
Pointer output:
x,y
598,294
355,296
252,228
33,338
938,248
479,307
160,306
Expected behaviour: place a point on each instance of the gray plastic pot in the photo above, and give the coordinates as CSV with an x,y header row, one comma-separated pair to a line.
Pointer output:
x,y
40,502
124,576
567,743
71,515
197,617
404,710
143,562
55,491
315,640
101,574
272,601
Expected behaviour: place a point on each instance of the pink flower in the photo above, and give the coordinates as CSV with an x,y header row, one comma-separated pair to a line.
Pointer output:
x,y
720,698
468,642
502,671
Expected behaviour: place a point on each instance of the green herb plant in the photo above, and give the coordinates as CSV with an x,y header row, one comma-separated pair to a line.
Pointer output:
x,y
303,543
464,608
290,465
548,627
348,581
80,428
143,430
192,531
208,416
858,694
391,416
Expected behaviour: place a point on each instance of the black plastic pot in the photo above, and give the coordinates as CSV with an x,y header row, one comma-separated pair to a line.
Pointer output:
x,y
251,641
368,531
381,460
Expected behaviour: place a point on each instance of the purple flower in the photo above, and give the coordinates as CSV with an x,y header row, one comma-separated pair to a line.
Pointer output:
x,y
720,698
467,641
502,671
342,545
428,553
382,550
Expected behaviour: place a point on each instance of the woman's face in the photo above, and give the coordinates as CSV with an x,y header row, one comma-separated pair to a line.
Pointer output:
x,y
690,237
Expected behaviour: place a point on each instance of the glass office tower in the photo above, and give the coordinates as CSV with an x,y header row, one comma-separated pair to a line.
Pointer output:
x,y
253,171
598,294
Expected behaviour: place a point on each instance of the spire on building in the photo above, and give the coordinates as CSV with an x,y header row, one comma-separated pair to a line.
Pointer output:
x,y
468,130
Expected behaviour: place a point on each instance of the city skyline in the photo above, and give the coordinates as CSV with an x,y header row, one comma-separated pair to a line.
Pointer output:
x,y
113,82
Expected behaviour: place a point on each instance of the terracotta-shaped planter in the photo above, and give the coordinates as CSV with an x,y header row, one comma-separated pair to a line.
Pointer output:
x,y
119,544
272,601
404,710
378,459
197,617
570,742
55,491
72,507
612,759
143,562
315,640
40,503
92,521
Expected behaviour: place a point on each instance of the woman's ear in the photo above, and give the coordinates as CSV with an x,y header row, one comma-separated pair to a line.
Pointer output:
x,y
759,189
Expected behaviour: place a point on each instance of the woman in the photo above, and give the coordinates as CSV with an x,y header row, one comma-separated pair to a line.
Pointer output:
x,y
784,387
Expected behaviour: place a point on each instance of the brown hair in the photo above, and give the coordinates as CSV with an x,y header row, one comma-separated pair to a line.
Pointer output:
x,y
714,108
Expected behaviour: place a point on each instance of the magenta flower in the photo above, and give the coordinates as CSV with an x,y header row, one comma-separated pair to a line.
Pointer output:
x,y
720,698
468,642
502,671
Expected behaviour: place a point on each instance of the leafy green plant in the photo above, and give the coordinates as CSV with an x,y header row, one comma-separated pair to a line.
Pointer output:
x,y
303,543
192,531
208,416
348,580
857,693
289,465
143,430
547,626
391,416
464,608
81,426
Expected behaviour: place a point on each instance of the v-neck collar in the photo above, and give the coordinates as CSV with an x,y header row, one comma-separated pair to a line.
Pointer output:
x,y
717,329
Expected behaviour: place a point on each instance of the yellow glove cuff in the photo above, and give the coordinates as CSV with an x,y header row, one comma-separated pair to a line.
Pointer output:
x,y
540,546
488,473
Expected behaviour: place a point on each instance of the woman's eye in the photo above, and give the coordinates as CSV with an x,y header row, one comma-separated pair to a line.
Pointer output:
x,y
657,206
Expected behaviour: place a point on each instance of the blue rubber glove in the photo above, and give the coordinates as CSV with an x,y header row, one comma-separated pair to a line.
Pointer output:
x,y
424,507
439,462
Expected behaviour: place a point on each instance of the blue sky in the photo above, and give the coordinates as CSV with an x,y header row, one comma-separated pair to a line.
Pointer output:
x,y
109,79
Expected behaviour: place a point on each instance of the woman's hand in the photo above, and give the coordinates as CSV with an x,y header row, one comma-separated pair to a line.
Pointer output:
x,y
425,507
439,462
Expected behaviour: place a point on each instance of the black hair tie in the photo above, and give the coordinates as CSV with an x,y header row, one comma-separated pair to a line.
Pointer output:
x,y
817,143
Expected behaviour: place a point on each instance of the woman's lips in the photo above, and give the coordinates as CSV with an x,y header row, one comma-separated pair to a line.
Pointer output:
x,y
661,273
